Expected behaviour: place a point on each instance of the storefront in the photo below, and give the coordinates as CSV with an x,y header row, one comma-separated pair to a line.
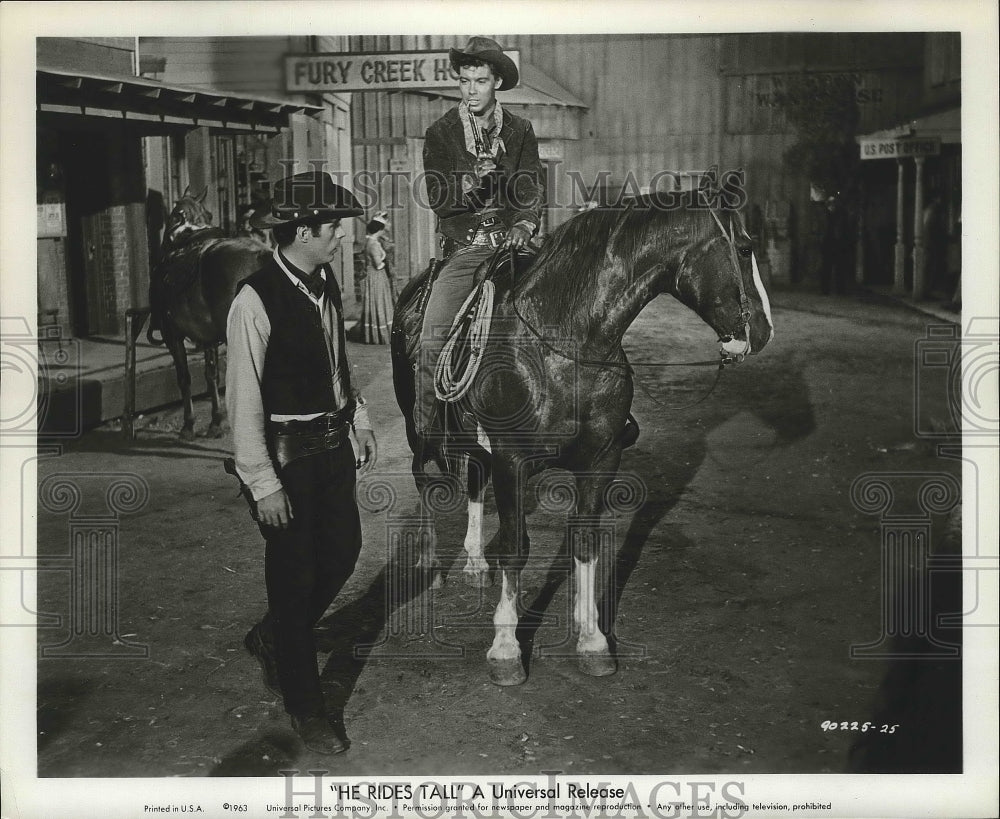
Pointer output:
x,y
100,209
915,183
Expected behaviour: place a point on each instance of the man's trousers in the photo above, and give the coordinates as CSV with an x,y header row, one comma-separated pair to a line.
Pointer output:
x,y
307,564
452,287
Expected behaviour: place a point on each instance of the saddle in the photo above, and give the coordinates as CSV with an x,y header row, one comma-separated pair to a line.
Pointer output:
x,y
181,267
503,268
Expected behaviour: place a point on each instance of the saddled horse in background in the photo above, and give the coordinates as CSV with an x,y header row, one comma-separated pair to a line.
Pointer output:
x,y
192,289
554,388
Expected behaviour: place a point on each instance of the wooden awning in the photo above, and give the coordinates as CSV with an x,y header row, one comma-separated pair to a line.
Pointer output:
x,y
943,125
152,107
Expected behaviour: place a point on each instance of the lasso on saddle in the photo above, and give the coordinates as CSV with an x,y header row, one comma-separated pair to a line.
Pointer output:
x,y
470,331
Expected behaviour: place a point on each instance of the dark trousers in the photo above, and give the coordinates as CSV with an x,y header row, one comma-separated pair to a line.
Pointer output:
x,y
454,283
307,564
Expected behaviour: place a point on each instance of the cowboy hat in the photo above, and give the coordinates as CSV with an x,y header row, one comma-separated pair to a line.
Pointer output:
x,y
488,51
311,195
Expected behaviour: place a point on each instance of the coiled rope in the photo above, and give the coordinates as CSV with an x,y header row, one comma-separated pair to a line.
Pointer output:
x,y
478,310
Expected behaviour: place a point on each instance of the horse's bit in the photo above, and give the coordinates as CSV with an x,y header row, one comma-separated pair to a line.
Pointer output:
x,y
745,313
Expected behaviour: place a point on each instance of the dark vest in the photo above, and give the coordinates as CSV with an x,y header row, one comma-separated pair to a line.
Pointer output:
x,y
297,379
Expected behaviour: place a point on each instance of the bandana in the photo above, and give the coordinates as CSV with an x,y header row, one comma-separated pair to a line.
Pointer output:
x,y
493,144
314,282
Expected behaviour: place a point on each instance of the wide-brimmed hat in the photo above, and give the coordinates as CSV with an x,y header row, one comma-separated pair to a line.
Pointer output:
x,y
489,51
310,195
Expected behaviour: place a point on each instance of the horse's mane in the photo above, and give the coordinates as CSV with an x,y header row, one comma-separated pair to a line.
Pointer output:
x,y
577,251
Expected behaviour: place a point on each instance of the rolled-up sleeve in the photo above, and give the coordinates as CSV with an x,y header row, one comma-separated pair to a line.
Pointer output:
x,y
247,334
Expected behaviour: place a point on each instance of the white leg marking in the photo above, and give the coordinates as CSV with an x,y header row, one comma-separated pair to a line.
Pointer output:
x,y
585,609
762,293
483,439
505,645
476,561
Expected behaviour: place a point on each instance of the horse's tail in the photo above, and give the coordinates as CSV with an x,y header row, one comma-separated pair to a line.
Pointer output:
x,y
156,341
404,343
155,306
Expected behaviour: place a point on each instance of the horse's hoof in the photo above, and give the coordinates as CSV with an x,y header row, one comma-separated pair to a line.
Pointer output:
x,y
506,672
478,579
187,434
215,431
597,663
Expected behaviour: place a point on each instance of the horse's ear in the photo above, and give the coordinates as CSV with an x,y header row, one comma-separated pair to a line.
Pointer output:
x,y
204,193
187,191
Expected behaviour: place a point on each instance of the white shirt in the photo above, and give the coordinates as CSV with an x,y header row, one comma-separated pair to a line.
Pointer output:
x,y
248,331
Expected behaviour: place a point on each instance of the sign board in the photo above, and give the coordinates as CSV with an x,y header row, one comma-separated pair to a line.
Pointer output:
x,y
383,71
550,150
899,148
51,220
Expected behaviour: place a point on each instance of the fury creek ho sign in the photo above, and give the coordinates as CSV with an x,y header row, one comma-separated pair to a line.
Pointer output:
x,y
383,71
899,148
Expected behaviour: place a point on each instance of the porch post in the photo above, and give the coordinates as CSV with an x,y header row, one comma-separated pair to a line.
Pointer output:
x,y
859,252
899,266
919,249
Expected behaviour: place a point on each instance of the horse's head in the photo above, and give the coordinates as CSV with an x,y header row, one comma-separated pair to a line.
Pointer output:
x,y
189,214
718,278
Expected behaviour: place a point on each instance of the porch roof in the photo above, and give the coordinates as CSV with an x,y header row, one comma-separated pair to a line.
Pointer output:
x,y
155,107
946,125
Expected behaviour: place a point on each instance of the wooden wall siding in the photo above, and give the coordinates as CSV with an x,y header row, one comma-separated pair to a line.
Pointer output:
x,y
884,99
248,65
97,55
672,102
785,52
943,76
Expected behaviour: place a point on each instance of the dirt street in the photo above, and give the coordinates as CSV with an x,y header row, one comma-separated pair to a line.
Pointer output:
x,y
744,573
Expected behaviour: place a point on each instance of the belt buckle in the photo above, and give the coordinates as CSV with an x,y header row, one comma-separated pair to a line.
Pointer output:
x,y
495,238
489,221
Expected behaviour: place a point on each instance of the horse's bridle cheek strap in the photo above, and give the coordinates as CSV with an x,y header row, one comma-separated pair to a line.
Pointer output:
x,y
745,312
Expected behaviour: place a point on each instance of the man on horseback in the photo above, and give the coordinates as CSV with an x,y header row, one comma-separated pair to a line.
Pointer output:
x,y
484,182
291,403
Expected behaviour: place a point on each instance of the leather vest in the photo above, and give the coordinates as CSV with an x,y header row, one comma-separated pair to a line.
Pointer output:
x,y
297,377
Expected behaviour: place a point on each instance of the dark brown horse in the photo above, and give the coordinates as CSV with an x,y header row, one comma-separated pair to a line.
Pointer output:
x,y
554,388
191,291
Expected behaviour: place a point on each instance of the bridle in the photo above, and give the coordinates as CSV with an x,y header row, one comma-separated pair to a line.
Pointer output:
x,y
745,312
478,308
725,357
179,223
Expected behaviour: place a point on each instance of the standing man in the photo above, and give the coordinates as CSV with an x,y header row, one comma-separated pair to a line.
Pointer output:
x,y
291,405
484,182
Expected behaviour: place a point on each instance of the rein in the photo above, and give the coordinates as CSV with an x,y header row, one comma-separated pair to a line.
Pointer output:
x,y
629,367
479,307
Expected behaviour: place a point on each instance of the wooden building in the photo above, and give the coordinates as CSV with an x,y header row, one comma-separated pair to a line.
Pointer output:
x,y
910,230
613,114
118,140
625,111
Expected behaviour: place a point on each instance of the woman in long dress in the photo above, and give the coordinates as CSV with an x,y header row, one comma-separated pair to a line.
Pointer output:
x,y
377,299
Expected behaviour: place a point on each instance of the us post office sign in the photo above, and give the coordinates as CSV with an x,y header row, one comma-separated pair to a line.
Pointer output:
x,y
383,71
899,148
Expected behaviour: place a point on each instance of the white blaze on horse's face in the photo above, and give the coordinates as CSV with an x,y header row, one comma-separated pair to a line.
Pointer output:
x,y
762,293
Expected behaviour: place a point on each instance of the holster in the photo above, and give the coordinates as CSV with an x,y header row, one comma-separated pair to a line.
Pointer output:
x,y
229,464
